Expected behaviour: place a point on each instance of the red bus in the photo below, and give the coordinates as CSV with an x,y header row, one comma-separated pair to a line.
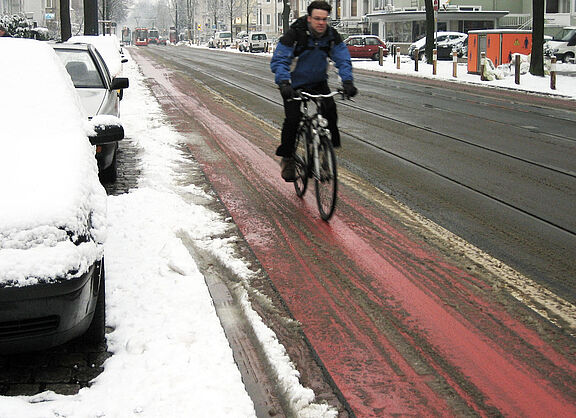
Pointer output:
x,y
141,36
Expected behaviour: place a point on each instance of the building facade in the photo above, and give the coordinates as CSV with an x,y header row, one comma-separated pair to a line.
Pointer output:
x,y
404,20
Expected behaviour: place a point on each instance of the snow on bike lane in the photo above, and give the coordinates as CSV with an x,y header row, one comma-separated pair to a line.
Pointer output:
x,y
170,356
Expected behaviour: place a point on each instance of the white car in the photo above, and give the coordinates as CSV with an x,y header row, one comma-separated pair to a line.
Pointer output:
x,y
53,211
445,41
256,42
99,91
564,48
108,46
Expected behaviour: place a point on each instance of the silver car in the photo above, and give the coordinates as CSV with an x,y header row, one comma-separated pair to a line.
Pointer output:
x,y
99,92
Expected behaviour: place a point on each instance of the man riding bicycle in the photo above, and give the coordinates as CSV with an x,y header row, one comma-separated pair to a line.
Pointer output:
x,y
312,41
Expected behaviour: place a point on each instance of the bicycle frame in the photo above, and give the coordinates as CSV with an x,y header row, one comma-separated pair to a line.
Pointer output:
x,y
317,124
314,154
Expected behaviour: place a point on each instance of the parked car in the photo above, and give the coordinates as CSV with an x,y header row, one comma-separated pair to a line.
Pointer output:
x,y
108,46
53,211
255,42
365,46
99,92
446,42
221,39
241,41
564,48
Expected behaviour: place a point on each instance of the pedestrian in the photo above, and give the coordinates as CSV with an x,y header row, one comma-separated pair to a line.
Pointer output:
x,y
4,32
312,41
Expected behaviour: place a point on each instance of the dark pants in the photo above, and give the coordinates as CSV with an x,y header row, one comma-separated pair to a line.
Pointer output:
x,y
292,119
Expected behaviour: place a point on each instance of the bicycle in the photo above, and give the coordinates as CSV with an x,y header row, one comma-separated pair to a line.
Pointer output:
x,y
314,155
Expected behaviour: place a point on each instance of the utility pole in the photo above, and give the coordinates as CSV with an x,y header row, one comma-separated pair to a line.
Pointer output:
x,y
65,27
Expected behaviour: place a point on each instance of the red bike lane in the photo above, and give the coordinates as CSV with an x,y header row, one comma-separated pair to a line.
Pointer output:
x,y
400,328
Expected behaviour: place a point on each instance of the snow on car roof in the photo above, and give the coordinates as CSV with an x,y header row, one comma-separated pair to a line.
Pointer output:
x,y
107,45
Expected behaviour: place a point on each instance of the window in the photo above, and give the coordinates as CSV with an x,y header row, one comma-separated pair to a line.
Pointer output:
x,y
268,20
372,41
354,8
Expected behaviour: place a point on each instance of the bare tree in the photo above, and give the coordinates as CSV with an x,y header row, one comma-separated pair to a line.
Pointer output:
x,y
537,55
286,16
232,9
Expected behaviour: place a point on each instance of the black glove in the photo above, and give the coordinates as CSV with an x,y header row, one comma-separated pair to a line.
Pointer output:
x,y
286,90
349,89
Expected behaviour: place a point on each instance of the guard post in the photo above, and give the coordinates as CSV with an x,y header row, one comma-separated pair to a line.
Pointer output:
x,y
553,73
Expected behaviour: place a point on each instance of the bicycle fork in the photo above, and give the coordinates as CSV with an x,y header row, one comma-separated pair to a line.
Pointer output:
x,y
316,154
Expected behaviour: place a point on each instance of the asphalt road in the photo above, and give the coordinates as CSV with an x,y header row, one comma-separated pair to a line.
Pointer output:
x,y
405,315
497,168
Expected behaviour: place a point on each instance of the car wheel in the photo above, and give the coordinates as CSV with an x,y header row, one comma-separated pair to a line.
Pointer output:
x,y
376,56
568,57
110,174
96,332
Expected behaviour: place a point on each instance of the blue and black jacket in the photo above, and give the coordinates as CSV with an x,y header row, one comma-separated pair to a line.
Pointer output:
x,y
312,56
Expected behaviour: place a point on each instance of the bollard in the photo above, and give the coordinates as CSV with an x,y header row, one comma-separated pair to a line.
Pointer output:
x,y
416,55
517,68
434,60
398,57
454,64
482,65
381,56
553,73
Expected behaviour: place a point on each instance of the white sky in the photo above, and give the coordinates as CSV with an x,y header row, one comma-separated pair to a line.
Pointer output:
x,y
169,352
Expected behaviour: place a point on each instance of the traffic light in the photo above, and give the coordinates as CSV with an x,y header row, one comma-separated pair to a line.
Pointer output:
x,y
199,26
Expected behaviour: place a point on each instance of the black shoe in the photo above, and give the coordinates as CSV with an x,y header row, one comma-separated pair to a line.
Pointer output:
x,y
288,169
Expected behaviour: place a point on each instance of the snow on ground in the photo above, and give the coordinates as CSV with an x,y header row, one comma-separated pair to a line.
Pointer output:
x,y
170,354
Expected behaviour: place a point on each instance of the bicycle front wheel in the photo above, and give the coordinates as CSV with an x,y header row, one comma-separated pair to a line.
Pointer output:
x,y
301,159
326,179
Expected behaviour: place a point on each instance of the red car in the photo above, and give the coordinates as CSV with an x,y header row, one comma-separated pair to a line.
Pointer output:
x,y
365,46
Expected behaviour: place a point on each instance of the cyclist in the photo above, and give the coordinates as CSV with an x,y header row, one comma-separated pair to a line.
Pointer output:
x,y
312,41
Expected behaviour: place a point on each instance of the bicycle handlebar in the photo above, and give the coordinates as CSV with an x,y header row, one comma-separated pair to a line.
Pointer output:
x,y
302,95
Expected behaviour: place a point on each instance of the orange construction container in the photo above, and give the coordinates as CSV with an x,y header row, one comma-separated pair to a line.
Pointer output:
x,y
498,44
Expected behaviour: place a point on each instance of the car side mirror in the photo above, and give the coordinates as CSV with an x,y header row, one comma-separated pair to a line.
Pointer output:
x,y
119,83
106,129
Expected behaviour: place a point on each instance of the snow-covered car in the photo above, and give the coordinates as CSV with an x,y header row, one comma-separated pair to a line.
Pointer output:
x,y
446,42
99,91
108,46
53,211
365,46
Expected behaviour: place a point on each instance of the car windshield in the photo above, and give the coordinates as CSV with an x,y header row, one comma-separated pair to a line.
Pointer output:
x,y
259,37
225,35
569,35
81,68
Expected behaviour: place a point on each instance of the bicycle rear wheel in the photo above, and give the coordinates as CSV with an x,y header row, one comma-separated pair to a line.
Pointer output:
x,y
301,159
326,179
